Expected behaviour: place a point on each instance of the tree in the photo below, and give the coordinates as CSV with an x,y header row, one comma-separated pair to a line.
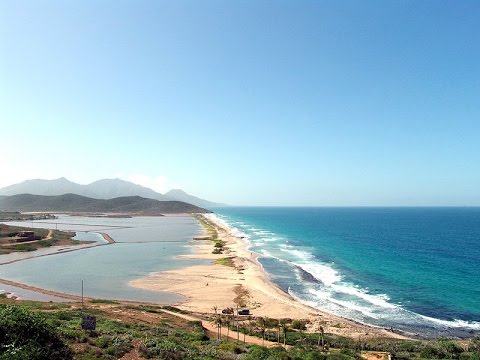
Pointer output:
x,y
284,325
271,323
27,335
218,322
228,322
263,325
321,336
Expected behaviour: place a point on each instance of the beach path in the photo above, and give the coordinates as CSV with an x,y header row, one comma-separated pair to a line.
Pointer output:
x,y
232,334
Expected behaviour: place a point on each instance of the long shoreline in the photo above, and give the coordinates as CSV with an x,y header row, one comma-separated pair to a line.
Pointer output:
x,y
236,278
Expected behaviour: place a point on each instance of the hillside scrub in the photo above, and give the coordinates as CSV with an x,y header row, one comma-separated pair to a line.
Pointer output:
x,y
33,331
25,335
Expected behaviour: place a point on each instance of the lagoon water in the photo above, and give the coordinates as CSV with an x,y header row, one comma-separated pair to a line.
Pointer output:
x,y
412,269
143,245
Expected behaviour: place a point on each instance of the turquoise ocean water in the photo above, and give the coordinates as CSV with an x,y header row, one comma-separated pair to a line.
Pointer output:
x,y
412,269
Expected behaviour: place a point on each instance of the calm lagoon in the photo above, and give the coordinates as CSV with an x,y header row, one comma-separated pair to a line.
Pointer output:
x,y
143,245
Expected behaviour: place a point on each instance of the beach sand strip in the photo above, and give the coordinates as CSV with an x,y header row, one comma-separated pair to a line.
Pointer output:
x,y
243,283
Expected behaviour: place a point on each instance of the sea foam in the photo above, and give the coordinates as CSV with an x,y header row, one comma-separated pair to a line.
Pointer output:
x,y
322,285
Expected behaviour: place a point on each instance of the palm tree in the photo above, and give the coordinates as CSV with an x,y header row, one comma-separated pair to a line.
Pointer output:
x,y
271,323
284,324
235,316
227,322
278,332
263,325
249,328
218,321
321,336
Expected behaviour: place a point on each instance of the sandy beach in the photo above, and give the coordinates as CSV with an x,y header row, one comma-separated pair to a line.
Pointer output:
x,y
242,282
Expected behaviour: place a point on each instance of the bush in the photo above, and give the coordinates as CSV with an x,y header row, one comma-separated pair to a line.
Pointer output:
x,y
470,356
432,352
257,353
299,325
27,336
103,341
164,348
118,346
401,355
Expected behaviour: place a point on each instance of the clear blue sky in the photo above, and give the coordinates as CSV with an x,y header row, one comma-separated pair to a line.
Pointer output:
x,y
247,102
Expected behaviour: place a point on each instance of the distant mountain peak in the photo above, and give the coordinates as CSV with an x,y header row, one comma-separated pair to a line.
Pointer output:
x,y
175,191
100,189
179,194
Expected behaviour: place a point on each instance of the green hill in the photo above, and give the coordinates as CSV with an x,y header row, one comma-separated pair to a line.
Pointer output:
x,y
78,203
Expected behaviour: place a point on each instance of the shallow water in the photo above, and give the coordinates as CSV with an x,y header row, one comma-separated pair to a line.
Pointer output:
x,y
24,294
143,245
413,269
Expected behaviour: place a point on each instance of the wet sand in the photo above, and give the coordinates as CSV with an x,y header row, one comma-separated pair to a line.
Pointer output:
x,y
243,284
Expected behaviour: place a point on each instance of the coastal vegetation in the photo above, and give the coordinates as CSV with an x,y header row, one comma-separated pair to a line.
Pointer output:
x,y
227,261
33,330
212,231
28,335
18,216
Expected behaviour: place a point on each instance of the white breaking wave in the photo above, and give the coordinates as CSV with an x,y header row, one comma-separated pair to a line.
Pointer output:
x,y
324,273
266,253
301,254
270,239
335,295
380,300
327,295
263,232
474,325
233,230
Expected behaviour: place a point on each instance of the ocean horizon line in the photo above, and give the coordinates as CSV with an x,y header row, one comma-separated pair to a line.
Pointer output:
x,y
351,206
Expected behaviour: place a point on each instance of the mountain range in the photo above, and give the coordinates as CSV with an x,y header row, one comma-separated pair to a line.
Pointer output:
x,y
101,189
78,203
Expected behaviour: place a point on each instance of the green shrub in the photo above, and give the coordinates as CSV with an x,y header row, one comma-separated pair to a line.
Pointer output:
x,y
451,348
469,356
299,325
431,352
103,341
27,336
257,353
23,248
163,348
401,355
119,346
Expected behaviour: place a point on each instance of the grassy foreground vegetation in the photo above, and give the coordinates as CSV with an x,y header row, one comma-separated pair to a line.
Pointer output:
x,y
35,331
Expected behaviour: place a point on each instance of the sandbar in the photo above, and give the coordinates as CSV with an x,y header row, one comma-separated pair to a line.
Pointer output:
x,y
243,284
